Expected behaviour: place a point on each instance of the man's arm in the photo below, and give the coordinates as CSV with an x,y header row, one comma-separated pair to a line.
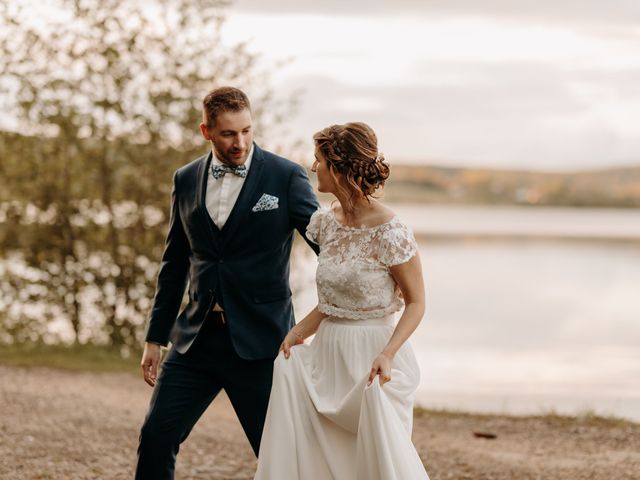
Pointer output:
x,y
172,277
172,280
302,203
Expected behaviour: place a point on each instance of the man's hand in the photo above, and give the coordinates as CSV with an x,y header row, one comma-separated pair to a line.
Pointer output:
x,y
150,362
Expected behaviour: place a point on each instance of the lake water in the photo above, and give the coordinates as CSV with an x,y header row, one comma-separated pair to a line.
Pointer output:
x,y
528,310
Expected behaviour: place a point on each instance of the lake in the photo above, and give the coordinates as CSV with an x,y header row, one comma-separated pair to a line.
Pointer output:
x,y
529,310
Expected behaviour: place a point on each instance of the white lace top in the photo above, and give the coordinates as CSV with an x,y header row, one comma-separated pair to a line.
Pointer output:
x,y
353,277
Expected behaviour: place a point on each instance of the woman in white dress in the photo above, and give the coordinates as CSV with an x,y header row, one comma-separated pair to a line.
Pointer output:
x,y
341,406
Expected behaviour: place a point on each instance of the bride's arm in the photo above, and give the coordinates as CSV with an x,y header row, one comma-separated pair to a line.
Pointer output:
x,y
408,276
303,329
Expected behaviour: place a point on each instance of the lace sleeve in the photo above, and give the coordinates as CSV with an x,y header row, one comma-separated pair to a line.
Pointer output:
x,y
314,229
397,246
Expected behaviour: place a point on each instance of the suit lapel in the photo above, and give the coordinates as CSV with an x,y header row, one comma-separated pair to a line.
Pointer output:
x,y
243,204
201,187
201,193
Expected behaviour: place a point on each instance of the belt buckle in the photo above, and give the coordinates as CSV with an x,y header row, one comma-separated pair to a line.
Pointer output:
x,y
218,318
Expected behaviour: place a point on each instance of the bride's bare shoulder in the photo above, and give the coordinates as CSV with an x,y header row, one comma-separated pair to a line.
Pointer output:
x,y
386,211
379,215
382,213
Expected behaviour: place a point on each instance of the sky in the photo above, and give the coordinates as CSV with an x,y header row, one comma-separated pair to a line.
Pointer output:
x,y
518,84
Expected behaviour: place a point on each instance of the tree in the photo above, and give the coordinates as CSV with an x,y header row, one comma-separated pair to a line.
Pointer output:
x,y
107,103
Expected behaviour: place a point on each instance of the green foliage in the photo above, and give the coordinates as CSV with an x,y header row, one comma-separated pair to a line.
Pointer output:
x,y
107,103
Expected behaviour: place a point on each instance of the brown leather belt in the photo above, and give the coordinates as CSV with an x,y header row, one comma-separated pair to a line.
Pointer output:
x,y
217,319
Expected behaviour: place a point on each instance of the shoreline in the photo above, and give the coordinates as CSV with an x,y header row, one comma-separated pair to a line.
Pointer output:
x,y
84,425
87,358
477,237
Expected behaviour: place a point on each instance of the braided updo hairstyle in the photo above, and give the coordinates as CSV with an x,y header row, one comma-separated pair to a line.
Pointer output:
x,y
352,151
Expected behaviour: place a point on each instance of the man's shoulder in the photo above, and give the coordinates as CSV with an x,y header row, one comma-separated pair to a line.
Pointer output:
x,y
279,162
191,168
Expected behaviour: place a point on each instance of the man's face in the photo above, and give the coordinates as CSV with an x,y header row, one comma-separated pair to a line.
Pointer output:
x,y
231,137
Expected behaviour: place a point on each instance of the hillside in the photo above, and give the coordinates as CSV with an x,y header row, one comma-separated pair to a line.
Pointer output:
x,y
619,187
616,187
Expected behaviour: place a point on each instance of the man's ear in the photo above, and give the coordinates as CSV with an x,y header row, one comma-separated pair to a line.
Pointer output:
x,y
205,132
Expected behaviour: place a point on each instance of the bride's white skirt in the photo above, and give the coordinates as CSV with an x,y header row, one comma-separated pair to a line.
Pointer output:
x,y
324,422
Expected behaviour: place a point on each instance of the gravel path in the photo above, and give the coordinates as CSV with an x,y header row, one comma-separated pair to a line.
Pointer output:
x,y
62,425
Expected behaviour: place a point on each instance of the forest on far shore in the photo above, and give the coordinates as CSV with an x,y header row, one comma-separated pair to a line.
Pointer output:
x,y
615,187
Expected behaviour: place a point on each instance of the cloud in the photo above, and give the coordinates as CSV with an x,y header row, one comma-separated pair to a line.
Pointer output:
x,y
523,115
493,83
619,12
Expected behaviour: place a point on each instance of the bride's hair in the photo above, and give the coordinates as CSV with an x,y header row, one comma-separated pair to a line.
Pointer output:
x,y
352,151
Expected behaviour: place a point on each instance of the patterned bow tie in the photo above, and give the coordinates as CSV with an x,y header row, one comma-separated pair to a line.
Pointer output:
x,y
219,171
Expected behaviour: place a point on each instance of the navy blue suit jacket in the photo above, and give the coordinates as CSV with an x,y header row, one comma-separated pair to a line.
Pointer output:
x,y
244,266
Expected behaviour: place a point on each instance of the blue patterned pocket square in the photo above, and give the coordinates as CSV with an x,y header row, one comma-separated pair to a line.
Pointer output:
x,y
266,202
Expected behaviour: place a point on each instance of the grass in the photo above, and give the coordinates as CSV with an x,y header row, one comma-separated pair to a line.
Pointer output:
x,y
80,358
419,411
587,418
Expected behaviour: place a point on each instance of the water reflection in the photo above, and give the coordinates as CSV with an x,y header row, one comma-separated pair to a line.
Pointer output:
x,y
525,326
532,326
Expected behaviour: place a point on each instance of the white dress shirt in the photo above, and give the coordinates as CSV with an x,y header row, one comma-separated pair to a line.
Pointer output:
x,y
223,192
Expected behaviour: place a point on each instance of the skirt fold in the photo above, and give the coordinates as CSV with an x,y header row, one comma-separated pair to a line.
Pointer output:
x,y
324,422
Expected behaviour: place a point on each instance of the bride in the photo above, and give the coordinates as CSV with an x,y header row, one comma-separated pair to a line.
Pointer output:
x,y
341,406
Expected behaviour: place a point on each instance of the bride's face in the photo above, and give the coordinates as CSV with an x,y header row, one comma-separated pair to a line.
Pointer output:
x,y
326,183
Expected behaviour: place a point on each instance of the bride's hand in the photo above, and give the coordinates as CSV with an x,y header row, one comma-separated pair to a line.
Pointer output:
x,y
292,338
381,366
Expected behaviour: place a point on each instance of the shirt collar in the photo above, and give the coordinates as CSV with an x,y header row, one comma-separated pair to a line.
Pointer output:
x,y
216,161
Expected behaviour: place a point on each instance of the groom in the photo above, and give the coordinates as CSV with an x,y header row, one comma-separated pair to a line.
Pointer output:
x,y
233,212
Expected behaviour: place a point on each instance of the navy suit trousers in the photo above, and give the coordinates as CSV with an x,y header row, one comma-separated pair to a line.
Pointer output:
x,y
187,384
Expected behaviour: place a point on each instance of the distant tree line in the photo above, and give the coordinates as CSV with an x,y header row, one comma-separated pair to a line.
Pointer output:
x,y
615,187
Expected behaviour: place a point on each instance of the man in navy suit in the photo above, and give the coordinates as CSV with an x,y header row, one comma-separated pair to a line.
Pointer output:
x,y
233,212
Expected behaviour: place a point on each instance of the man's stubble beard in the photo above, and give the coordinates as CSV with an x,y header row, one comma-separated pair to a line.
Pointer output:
x,y
227,160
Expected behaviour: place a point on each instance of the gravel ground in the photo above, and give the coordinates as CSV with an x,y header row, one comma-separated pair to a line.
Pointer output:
x,y
62,425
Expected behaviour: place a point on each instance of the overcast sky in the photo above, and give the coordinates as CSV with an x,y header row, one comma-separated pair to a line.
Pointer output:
x,y
499,83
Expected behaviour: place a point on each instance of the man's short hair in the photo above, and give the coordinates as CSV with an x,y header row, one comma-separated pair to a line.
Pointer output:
x,y
223,99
